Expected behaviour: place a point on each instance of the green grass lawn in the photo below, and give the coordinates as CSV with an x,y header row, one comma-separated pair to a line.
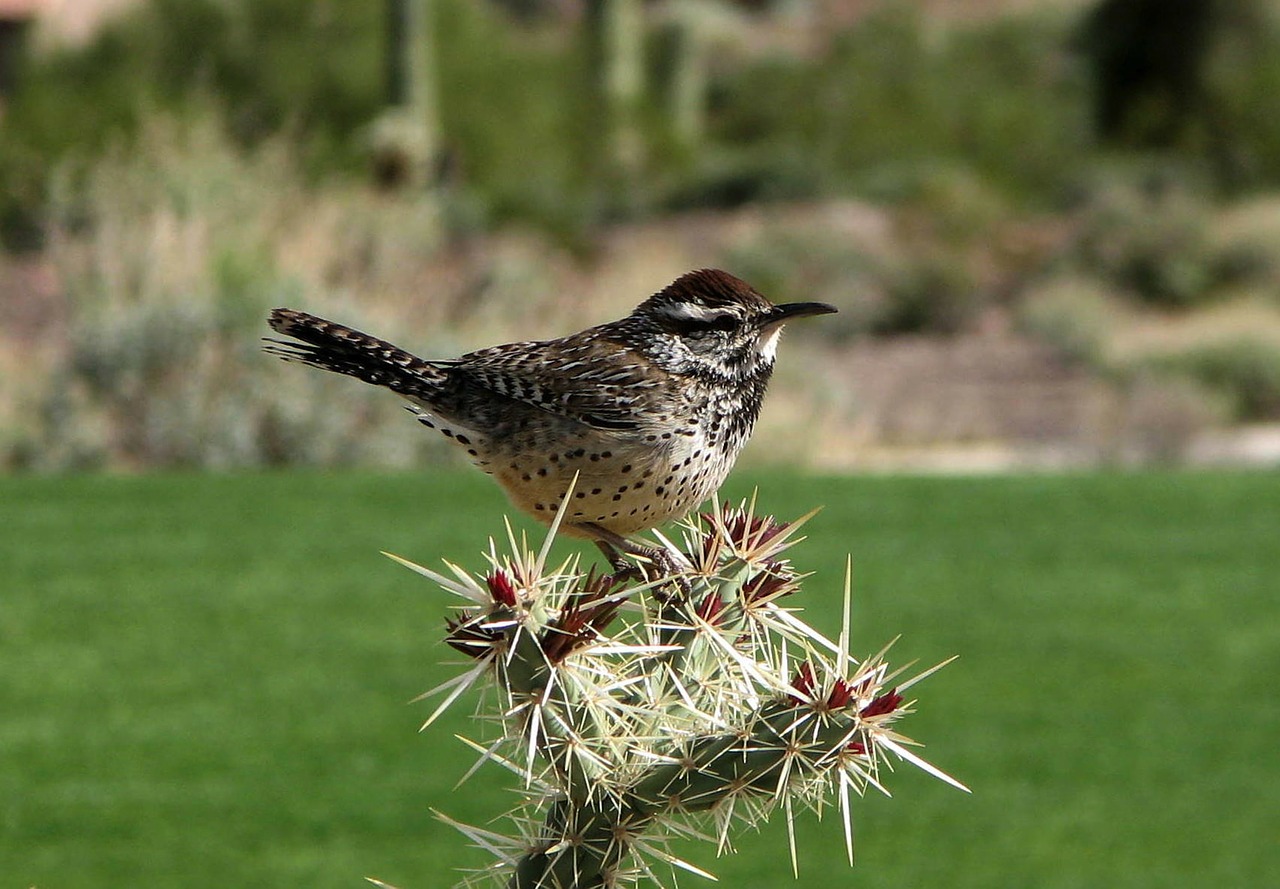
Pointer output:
x,y
203,680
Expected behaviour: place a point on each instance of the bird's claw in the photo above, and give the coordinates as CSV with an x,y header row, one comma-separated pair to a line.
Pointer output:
x,y
645,564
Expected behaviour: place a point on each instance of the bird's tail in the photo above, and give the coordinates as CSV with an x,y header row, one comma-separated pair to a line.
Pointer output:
x,y
331,346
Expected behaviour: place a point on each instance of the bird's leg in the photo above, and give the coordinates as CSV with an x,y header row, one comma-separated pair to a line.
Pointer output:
x,y
622,566
628,558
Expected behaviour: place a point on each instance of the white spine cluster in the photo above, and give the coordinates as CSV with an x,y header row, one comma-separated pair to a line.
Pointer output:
x,y
634,712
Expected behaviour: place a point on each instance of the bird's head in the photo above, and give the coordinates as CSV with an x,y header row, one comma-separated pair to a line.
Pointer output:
x,y
708,321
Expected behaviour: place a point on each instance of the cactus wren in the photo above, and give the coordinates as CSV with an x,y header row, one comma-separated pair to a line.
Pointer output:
x,y
649,411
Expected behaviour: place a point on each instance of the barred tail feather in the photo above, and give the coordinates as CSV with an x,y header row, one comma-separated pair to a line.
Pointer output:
x,y
331,346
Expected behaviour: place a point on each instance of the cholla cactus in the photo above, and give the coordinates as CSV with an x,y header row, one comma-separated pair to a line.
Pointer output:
x,y
638,710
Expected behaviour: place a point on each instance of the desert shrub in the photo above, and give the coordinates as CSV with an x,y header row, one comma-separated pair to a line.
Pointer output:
x,y
930,292
1246,234
895,94
1159,417
510,107
1072,314
1148,235
813,263
170,258
920,266
730,179
520,130
1242,134
271,64
880,108
878,292
1244,369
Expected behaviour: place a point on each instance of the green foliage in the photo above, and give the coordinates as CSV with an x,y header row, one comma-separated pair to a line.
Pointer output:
x,y
313,70
170,258
916,267
817,263
893,97
517,119
314,66
309,66
1241,136
873,112
1074,315
929,293
1246,370
204,679
1149,236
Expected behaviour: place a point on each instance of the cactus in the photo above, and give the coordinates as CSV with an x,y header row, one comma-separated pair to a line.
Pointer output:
x,y
636,709
614,31
405,138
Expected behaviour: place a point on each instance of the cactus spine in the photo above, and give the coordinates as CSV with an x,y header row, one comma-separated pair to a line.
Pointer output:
x,y
637,710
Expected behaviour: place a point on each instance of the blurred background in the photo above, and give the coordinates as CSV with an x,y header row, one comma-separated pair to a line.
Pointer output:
x,y
1052,228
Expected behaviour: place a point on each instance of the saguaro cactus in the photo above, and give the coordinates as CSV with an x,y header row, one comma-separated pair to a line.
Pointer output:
x,y
635,710
615,51
405,138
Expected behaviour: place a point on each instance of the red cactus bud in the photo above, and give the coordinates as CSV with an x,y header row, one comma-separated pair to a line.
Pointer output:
x,y
742,527
709,608
885,703
841,695
803,683
502,588
767,585
467,635
581,620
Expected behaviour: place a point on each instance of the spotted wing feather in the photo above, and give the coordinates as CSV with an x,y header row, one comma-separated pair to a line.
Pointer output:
x,y
576,378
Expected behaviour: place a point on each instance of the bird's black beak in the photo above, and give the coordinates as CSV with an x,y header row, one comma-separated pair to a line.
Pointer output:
x,y
783,314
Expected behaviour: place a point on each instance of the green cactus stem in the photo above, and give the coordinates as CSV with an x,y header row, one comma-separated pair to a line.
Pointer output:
x,y
635,712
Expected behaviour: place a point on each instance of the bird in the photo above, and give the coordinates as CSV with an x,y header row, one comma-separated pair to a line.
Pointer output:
x,y
648,413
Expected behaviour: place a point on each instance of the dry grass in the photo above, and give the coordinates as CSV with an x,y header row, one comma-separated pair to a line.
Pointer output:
x,y
1253,314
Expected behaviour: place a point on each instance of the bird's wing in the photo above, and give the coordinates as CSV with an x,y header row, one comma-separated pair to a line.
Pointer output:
x,y
600,384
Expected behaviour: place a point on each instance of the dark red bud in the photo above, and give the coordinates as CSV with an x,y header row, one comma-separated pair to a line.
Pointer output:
x,y
766,585
467,635
885,703
502,588
709,608
840,695
755,529
803,683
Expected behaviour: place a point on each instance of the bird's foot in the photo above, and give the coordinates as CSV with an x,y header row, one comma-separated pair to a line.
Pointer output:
x,y
634,562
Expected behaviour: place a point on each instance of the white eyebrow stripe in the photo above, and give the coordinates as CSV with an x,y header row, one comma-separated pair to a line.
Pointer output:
x,y
692,312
